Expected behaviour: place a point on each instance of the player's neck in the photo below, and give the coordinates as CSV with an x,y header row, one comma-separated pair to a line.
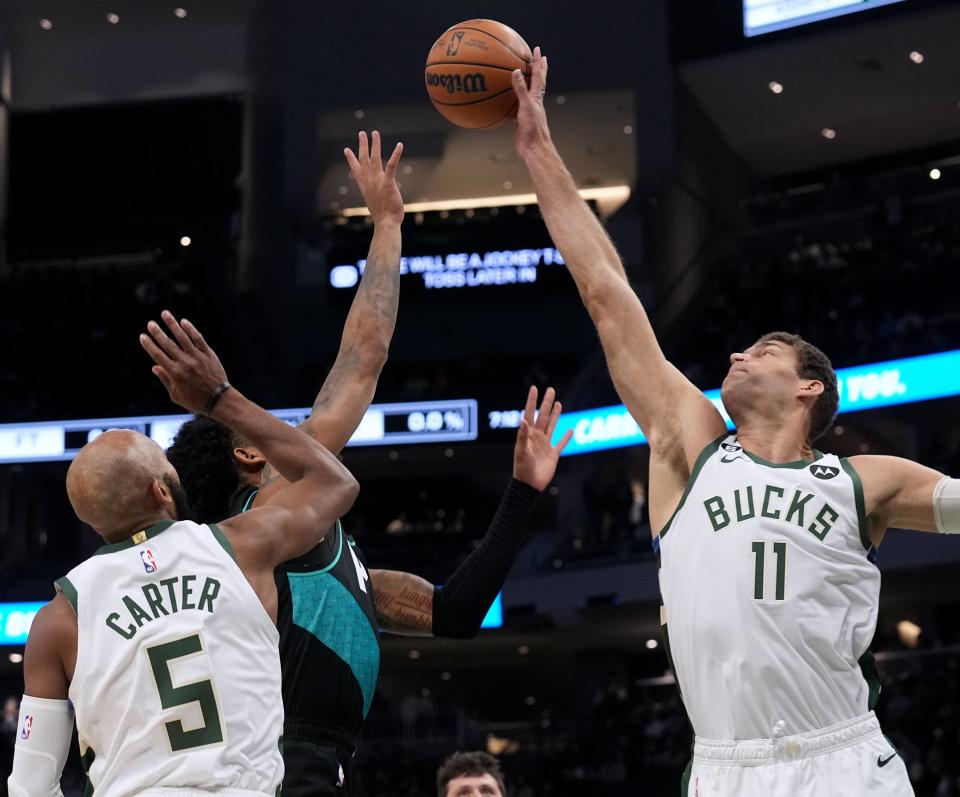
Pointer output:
x,y
128,528
775,442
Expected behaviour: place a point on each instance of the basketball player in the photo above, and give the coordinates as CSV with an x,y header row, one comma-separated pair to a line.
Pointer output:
x,y
331,606
766,582
474,774
165,641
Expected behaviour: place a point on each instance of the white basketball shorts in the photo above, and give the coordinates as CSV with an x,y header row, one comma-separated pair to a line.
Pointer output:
x,y
851,759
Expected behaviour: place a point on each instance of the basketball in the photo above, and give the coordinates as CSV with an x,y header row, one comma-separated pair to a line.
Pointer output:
x,y
468,73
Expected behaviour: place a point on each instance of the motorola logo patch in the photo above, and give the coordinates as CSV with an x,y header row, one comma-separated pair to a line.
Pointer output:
x,y
824,471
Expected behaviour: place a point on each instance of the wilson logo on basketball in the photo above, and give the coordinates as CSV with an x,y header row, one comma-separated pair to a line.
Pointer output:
x,y
824,471
469,84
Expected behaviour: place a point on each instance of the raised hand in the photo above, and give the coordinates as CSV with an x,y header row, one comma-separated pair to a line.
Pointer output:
x,y
532,128
534,458
377,184
188,368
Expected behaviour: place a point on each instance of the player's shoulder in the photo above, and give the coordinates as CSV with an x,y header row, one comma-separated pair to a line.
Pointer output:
x,y
55,621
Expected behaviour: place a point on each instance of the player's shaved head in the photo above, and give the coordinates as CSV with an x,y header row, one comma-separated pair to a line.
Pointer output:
x,y
120,480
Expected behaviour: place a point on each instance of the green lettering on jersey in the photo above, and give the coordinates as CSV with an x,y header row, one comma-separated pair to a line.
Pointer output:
x,y
741,516
823,522
138,614
168,583
718,515
186,592
765,510
211,588
796,507
112,623
152,593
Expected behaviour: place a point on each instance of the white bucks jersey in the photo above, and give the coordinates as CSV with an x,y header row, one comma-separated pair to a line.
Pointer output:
x,y
770,599
177,683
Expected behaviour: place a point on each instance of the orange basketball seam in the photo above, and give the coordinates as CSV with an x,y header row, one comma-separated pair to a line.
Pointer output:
x,y
500,120
472,102
469,63
495,38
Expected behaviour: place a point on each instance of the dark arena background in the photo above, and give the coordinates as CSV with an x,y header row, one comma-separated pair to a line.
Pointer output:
x,y
759,168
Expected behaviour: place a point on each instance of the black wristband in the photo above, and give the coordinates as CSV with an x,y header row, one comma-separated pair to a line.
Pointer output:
x,y
460,605
218,391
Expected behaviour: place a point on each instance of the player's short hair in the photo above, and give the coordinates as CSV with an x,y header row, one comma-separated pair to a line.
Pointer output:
x,y
813,364
473,764
202,453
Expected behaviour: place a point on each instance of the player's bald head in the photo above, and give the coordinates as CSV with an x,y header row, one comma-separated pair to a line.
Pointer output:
x,y
119,479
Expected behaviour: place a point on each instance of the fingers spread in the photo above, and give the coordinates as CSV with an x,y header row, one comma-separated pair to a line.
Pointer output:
x,y
554,417
164,377
543,417
363,151
156,353
174,326
375,151
352,161
563,441
394,161
530,408
194,334
162,341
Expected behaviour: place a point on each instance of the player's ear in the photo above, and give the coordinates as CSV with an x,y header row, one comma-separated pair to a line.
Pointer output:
x,y
811,388
160,492
249,459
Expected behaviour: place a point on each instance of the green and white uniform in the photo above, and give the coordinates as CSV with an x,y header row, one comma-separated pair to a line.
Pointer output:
x,y
177,681
770,600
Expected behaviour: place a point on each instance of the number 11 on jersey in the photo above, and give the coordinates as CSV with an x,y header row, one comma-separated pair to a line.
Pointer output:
x,y
759,553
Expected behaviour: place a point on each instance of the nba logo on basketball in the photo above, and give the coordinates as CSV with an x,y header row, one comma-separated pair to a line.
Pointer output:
x,y
454,47
27,725
149,563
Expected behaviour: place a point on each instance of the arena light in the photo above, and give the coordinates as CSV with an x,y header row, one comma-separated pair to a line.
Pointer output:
x,y
15,658
113,19
916,56
180,13
46,24
15,621
775,87
612,194
935,174
185,241
828,133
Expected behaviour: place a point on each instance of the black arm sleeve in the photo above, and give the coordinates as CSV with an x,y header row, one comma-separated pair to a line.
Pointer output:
x,y
460,605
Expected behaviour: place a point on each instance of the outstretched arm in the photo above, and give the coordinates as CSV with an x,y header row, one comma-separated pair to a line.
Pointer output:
x,y
349,387
897,493
317,487
408,604
656,393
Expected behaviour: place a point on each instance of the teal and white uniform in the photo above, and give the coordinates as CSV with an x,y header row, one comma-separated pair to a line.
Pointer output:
x,y
770,602
177,685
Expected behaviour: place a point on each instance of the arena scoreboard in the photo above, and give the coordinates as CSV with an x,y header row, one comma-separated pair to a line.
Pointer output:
x,y
454,420
766,16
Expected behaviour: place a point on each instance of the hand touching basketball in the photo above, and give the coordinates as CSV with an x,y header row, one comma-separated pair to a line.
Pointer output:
x,y
534,458
377,184
532,128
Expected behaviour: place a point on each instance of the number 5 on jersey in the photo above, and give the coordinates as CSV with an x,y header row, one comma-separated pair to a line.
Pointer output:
x,y
759,552
200,692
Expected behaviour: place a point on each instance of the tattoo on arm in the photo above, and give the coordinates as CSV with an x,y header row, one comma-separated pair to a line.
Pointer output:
x,y
349,387
404,602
